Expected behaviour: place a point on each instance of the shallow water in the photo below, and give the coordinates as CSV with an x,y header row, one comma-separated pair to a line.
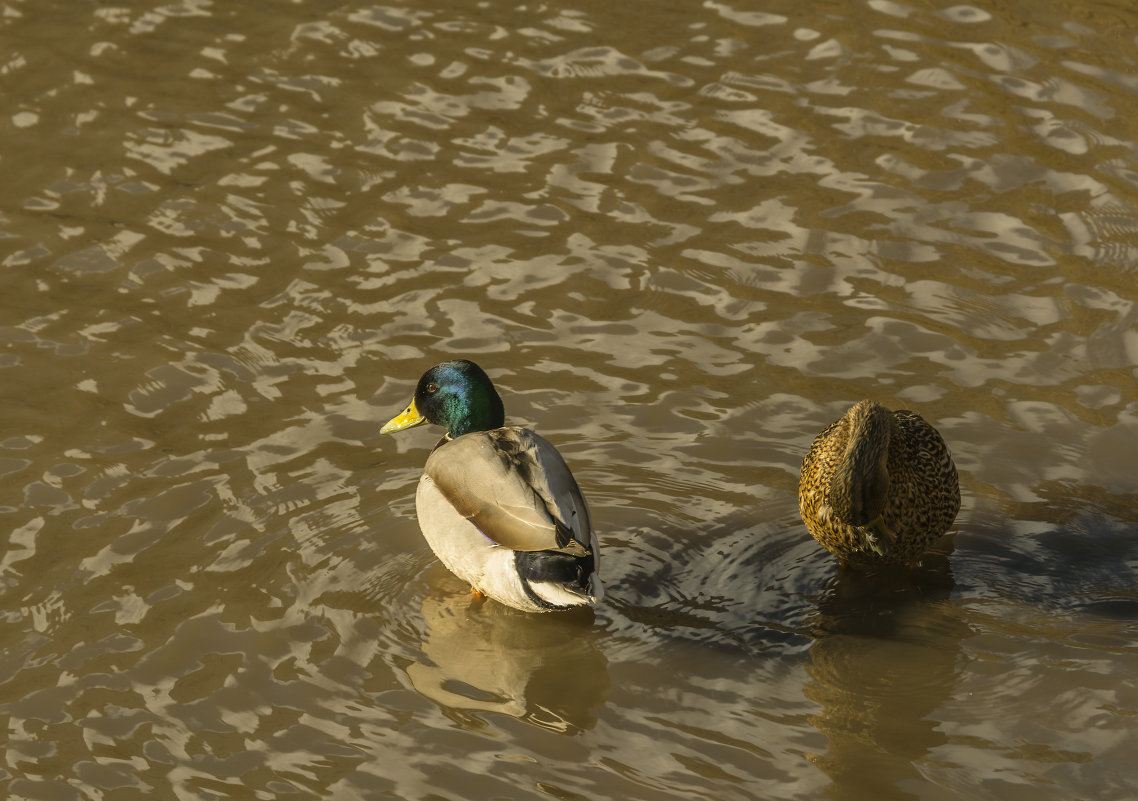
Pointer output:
x,y
681,238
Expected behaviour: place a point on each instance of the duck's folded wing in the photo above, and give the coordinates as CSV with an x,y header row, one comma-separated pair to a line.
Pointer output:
x,y
515,487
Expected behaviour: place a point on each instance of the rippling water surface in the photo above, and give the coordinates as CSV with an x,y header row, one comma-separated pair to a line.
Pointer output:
x,y
682,237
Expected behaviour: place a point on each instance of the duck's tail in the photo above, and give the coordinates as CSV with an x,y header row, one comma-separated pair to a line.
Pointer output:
x,y
558,579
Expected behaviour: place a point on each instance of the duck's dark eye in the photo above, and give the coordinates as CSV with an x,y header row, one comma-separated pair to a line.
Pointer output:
x,y
432,388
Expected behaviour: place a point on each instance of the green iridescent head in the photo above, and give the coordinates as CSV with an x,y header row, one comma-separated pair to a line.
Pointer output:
x,y
457,395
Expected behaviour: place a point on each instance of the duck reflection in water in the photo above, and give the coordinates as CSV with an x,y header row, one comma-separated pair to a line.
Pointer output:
x,y
479,657
885,657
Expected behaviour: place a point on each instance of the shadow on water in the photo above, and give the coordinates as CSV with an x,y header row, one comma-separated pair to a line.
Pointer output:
x,y
1075,551
874,603
885,656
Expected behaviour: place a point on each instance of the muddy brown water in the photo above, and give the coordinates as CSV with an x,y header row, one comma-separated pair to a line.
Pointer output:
x,y
682,237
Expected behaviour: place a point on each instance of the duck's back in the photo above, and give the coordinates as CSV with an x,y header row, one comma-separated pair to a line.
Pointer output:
x,y
514,485
502,511
924,486
923,498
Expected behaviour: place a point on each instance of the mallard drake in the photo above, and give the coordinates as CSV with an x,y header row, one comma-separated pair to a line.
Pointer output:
x,y
496,503
878,487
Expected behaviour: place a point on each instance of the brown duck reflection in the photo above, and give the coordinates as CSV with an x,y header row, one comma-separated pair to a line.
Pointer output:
x,y
480,656
887,655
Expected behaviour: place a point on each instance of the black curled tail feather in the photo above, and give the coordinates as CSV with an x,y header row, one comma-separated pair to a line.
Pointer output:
x,y
555,567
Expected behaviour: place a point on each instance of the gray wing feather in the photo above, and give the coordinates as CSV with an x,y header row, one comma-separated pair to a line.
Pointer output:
x,y
514,485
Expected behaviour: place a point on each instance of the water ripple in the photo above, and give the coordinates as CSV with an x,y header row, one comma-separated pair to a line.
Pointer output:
x,y
681,243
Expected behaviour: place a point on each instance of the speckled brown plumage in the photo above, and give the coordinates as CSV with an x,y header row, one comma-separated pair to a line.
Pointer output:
x,y
875,462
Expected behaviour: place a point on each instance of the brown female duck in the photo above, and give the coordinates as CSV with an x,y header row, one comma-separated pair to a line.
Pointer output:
x,y
878,487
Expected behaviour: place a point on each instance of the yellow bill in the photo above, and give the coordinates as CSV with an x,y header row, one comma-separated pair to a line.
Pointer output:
x,y
408,418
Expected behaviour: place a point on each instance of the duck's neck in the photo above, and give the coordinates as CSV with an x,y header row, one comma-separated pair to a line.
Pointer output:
x,y
860,485
480,413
